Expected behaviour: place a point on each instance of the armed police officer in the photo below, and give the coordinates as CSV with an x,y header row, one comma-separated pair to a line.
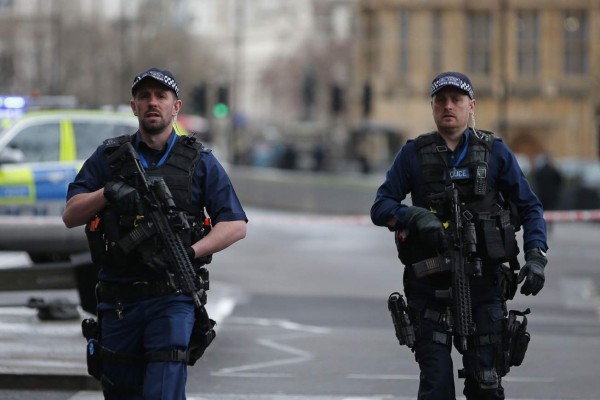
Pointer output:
x,y
457,242
156,206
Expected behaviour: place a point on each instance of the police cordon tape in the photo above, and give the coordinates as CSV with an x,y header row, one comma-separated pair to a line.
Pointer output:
x,y
290,218
572,215
287,219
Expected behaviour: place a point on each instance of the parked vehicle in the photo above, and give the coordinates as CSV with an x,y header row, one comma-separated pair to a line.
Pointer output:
x,y
40,154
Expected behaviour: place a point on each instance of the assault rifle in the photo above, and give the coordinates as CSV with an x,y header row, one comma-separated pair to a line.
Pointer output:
x,y
464,263
161,218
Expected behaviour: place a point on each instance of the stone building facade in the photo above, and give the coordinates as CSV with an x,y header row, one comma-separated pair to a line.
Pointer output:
x,y
535,66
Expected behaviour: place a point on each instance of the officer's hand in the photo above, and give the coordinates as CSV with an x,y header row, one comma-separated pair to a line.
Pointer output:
x,y
533,273
427,225
191,253
123,197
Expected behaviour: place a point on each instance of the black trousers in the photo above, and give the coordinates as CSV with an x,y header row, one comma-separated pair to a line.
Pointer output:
x,y
433,353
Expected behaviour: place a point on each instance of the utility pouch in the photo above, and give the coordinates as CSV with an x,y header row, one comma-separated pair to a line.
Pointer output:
x,y
517,337
490,243
507,230
94,231
93,359
113,232
203,334
90,331
403,246
405,332
508,282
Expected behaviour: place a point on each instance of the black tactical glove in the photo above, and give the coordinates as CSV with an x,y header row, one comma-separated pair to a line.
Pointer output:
x,y
427,225
533,272
191,253
123,197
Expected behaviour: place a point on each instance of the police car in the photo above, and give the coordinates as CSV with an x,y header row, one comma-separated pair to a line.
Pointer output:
x,y
40,154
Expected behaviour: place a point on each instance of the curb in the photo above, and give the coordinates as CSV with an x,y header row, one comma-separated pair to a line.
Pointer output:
x,y
49,382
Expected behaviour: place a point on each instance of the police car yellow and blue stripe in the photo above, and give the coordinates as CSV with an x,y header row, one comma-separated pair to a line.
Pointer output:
x,y
32,189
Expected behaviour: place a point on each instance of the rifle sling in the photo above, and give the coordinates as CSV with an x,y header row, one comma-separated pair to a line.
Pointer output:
x,y
441,263
432,265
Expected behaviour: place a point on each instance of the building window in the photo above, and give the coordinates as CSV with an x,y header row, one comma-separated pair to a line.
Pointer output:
x,y
479,42
528,57
371,42
436,41
576,42
403,41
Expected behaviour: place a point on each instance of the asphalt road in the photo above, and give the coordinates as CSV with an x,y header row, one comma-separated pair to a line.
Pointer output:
x,y
309,318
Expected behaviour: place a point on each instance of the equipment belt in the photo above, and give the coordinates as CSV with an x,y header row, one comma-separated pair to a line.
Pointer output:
x,y
484,340
439,337
108,292
435,316
485,280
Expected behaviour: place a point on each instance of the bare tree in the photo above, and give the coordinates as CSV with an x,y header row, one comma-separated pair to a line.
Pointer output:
x,y
61,51
285,78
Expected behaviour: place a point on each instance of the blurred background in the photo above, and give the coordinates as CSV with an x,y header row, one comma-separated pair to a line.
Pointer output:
x,y
306,102
328,86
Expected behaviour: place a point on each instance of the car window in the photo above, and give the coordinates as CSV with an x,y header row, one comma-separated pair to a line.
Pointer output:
x,y
89,135
38,143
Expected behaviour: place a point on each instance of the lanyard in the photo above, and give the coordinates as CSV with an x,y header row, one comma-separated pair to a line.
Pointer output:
x,y
444,157
164,157
463,153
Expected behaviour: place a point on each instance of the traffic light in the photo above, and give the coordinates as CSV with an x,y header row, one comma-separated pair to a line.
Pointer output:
x,y
367,100
221,108
308,93
337,100
199,101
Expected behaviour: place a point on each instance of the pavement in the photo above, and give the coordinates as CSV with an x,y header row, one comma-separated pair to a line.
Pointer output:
x,y
50,354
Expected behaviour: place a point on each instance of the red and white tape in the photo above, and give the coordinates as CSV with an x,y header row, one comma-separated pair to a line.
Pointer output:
x,y
302,219
286,219
572,215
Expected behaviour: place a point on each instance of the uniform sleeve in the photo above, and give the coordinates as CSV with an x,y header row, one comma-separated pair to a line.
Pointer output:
x,y
514,187
220,199
390,195
92,176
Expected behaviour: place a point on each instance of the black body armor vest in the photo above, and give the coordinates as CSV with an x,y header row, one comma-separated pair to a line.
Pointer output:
x,y
470,176
113,226
177,170
495,225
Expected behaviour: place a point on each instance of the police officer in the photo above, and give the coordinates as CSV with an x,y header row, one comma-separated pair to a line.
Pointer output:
x,y
489,183
138,309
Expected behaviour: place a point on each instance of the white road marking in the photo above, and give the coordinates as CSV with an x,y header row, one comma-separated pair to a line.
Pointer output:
x,y
86,395
273,342
402,377
220,309
383,377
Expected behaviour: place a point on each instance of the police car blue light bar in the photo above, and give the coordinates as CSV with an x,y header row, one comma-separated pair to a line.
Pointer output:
x,y
12,102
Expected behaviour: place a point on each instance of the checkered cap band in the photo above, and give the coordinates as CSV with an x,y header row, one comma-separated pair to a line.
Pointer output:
x,y
455,79
162,76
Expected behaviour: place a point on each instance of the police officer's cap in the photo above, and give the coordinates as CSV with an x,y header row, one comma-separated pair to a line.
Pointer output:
x,y
162,76
456,79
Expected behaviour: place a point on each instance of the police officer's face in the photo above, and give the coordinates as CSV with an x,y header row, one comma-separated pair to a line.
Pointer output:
x,y
451,110
155,106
